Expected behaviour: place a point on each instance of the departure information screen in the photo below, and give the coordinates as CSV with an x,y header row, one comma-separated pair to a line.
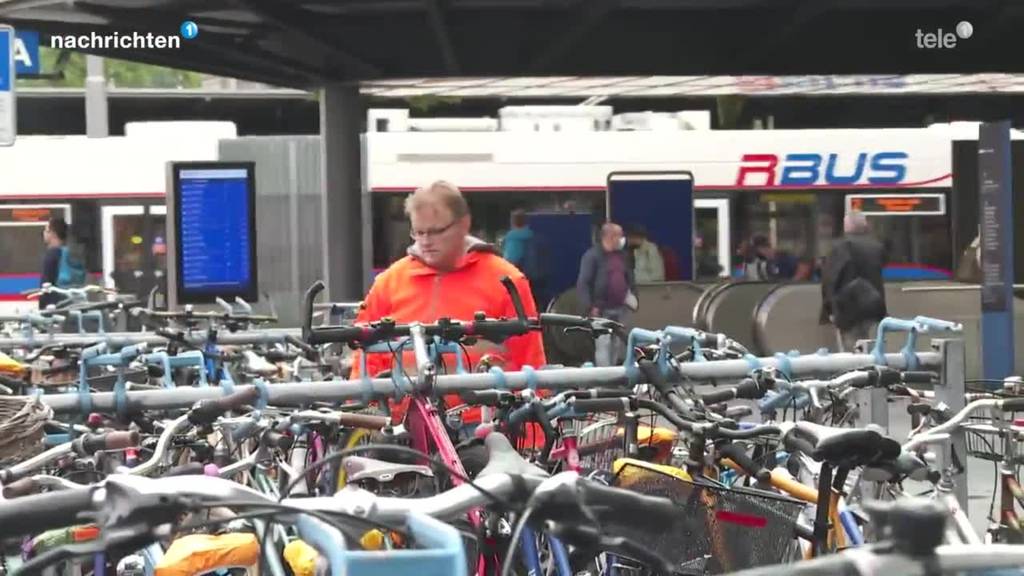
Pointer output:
x,y
216,233
898,204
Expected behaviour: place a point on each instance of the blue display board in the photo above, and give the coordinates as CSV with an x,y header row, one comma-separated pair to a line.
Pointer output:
x,y
995,216
662,202
565,237
215,228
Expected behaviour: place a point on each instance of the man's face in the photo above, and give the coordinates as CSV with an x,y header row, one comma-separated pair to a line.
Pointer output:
x,y
47,234
439,236
611,239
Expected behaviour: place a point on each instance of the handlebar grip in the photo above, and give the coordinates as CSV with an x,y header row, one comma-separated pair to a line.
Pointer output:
x,y
718,396
562,320
736,412
299,344
485,397
589,406
20,488
710,339
619,504
308,300
517,301
274,439
600,393
41,512
368,421
739,456
1012,405
750,389
336,334
521,414
190,469
90,443
917,377
206,411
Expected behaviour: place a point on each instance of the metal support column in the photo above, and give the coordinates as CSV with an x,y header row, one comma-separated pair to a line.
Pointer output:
x,y
951,391
341,120
96,123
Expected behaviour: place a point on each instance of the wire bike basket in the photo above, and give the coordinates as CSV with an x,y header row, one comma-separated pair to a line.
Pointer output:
x,y
21,428
718,529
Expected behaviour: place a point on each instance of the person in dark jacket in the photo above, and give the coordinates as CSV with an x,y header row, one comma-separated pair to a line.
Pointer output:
x,y
55,234
606,288
852,290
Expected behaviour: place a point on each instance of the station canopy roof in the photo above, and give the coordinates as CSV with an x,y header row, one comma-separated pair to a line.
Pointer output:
x,y
553,44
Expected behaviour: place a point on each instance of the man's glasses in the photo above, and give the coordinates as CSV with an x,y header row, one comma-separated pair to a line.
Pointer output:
x,y
431,232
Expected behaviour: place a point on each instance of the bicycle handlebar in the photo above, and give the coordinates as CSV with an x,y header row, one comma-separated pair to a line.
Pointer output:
x,y
206,411
40,512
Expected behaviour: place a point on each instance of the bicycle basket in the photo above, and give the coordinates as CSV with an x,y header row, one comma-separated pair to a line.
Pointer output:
x,y
718,529
598,444
602,442
21,428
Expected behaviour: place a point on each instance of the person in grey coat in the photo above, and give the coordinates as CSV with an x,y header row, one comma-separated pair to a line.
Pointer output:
x,y
606,288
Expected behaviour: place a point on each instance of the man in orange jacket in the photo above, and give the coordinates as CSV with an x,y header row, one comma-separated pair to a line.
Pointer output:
x,y
448,273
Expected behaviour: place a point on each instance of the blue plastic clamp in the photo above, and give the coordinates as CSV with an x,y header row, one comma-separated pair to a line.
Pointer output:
x,y
531,377
785,366
500,382
264,399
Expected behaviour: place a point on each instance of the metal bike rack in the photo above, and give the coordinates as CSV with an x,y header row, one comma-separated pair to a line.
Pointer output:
x,y
122,339
305,393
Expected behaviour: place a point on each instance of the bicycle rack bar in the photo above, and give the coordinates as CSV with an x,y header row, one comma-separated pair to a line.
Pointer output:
x,y
303,393
122,339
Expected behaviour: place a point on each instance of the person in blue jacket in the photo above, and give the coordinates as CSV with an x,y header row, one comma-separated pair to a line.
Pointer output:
x,y
517,240
522,247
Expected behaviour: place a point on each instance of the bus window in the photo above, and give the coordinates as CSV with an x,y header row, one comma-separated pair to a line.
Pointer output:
x,y
803,225
21,226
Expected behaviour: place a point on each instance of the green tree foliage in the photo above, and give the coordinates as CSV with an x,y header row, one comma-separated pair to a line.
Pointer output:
x,y
120,73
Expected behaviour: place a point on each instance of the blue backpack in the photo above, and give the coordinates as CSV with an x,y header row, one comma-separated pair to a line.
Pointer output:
x,y
71,272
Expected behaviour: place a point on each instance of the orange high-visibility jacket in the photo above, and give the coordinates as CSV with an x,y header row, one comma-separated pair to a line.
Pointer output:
x,y
410,291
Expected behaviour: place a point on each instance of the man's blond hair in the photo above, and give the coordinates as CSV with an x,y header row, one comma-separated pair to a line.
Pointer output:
x,y
442,193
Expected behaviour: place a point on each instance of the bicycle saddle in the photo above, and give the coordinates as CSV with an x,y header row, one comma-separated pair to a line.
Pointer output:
x,y
361,468
502,458
906,465
850,447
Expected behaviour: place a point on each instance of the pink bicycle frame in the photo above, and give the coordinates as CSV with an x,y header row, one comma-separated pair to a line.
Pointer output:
x,y
426,430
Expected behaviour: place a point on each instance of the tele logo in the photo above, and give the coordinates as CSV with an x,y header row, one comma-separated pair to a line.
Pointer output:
x,y
942,39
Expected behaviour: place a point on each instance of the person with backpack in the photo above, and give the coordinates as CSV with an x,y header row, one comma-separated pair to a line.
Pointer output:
x,y
852,288
62,266
522,248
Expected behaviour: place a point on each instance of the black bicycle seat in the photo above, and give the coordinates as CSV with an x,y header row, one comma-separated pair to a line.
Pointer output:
x,y
850,447
502,458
